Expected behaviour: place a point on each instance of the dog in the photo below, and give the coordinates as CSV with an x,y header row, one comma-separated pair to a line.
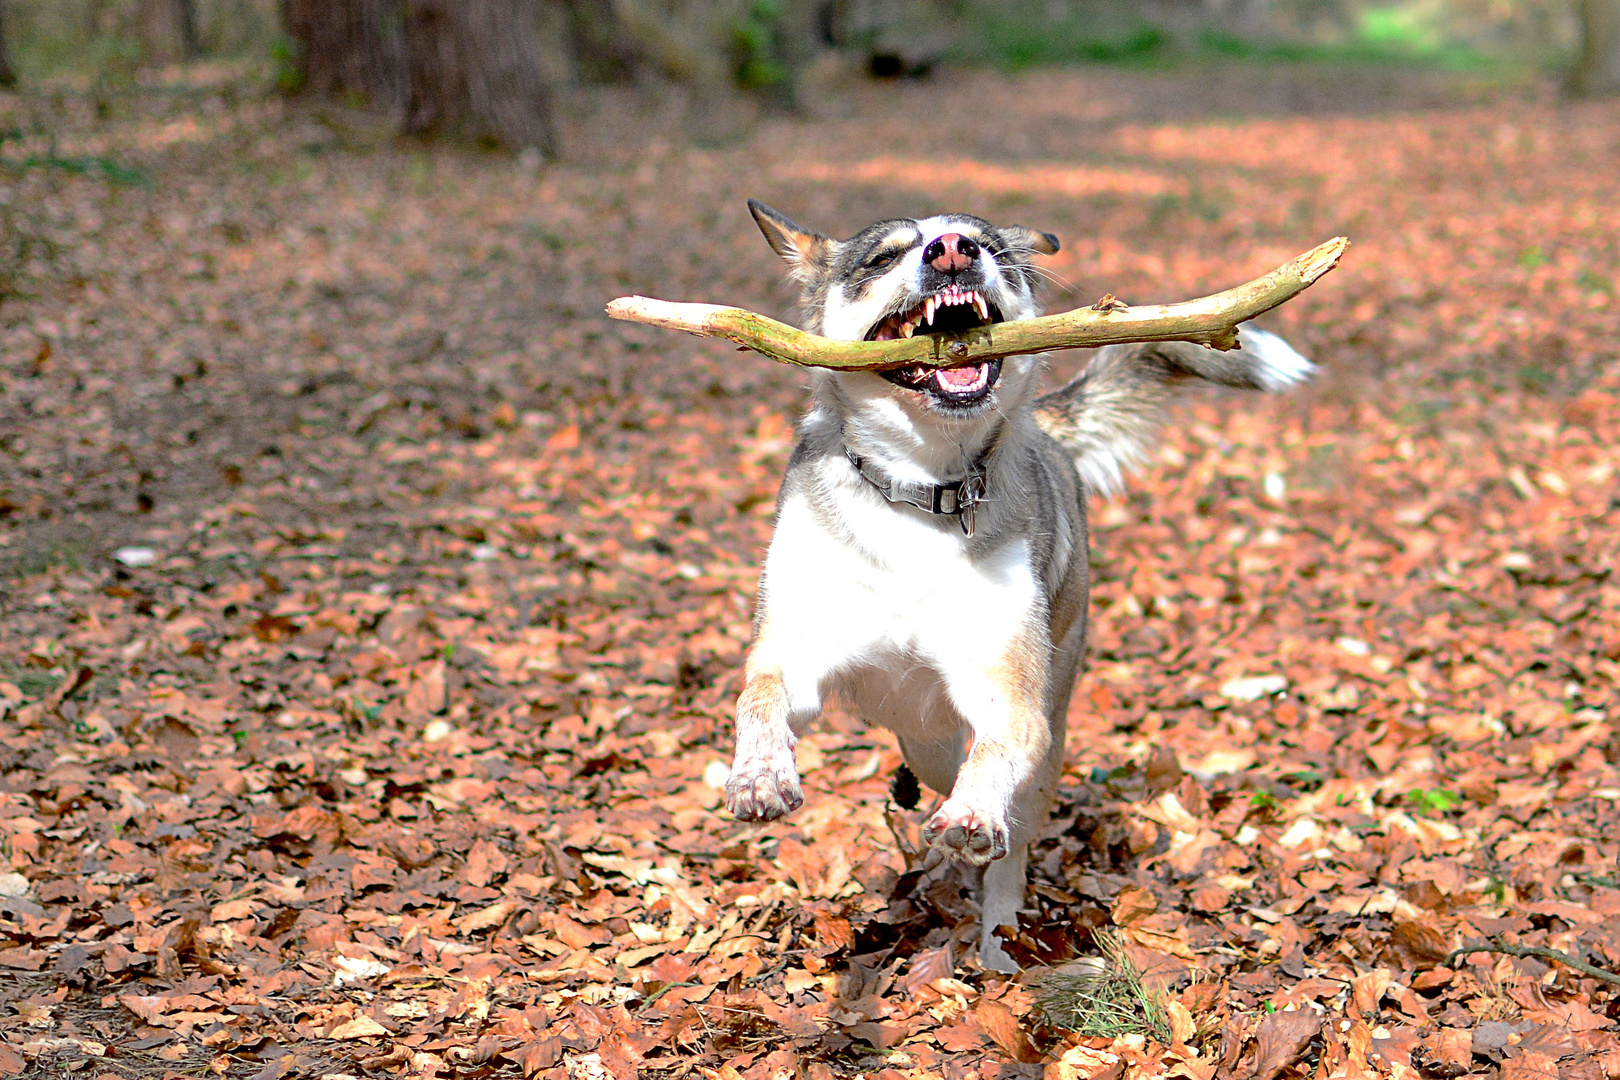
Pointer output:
x,y
929,563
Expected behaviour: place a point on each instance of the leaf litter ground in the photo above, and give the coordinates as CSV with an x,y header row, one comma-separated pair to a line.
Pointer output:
x,y
373,608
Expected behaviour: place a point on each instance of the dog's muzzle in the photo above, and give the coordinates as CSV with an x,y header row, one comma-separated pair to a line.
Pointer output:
x,y
953,309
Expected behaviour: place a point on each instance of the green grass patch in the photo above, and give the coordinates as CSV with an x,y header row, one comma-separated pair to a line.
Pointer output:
x,y
36,555
1530,258
1014,36
1535,379
32,681
1263,803
101,168
1014,43
1104,997
1432,801
1364,48
1592,281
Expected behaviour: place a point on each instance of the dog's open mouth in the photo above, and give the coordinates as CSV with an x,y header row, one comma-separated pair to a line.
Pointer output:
x,y
951,311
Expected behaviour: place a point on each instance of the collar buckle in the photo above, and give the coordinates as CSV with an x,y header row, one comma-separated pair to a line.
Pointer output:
x,y
970,493
959,498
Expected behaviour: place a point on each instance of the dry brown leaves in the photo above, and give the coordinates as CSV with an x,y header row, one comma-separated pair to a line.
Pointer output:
x,y
391,745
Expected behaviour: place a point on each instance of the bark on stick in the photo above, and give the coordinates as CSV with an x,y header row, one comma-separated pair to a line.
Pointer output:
x,y
1210,320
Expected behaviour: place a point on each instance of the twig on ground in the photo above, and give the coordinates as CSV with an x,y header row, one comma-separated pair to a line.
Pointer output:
x,y
1497,945
1209,320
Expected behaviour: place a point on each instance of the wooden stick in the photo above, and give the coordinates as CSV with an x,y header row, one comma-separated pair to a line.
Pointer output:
x,y
1540,952
1210,320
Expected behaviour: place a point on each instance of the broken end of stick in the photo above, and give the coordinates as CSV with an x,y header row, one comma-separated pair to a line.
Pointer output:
x,y
1322,258
693,318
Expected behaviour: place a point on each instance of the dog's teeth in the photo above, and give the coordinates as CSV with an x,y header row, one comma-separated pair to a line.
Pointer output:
x,y
982,306
928,310
907,329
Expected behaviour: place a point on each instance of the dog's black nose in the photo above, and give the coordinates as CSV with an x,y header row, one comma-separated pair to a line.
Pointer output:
x,y
951,253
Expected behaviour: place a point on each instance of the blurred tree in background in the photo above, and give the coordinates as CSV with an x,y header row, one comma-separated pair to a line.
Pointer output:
x,y
167,30
7,76
1597,67
470,65
492,69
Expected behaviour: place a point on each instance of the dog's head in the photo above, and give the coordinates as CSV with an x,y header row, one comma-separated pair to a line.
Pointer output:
x,y
950,272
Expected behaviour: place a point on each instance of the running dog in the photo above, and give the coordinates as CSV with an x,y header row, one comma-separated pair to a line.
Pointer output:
x,y
929,566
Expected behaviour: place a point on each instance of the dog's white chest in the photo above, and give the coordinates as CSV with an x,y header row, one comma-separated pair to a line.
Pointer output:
x,y
889,590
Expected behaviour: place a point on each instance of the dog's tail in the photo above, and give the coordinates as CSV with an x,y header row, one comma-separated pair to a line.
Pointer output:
x,y
1111,413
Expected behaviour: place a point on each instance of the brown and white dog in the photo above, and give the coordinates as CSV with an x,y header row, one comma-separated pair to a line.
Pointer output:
x,y
929,566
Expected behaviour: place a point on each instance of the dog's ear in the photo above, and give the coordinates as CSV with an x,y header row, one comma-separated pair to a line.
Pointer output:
x,y
806,252
1042,243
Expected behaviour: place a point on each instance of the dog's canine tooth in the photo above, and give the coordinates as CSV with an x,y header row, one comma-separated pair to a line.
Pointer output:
x,y
928,310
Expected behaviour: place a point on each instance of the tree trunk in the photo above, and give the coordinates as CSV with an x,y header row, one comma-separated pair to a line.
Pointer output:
x,y
7,76
475,64
472,65
1597,70
185,18
350,49
167,30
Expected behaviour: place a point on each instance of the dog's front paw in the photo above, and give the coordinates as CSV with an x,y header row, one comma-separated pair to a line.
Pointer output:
x,y
967,835
763,791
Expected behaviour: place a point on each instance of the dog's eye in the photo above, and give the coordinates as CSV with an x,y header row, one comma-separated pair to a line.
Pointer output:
x,y
882,258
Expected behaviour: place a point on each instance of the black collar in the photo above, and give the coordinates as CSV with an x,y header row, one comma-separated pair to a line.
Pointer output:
x,y
959,498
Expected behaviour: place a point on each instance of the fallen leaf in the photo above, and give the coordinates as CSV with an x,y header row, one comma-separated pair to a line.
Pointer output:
x,y
1281,1039
361,1027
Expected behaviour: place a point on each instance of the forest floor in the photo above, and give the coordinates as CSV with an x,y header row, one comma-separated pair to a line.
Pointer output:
x,y
371,608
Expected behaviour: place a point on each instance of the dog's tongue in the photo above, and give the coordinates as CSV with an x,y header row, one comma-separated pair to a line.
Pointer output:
x,y
961,379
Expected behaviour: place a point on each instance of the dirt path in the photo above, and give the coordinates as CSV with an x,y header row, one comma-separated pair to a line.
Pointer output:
x,y
389,743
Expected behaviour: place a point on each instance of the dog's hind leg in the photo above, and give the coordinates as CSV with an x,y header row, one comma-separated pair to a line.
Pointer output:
x,y
935,761
1000,894
1001,887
